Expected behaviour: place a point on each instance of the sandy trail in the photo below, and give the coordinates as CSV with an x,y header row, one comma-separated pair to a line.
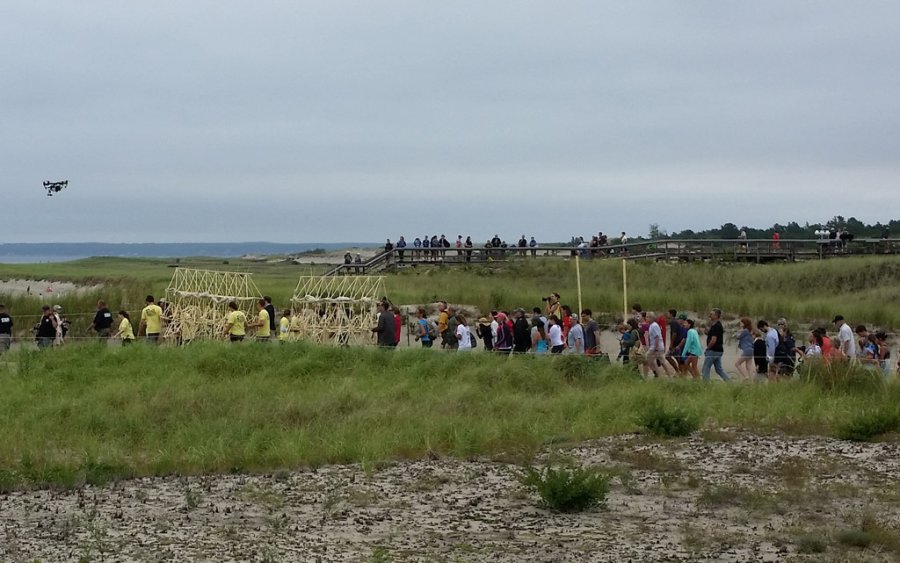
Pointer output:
x,y
725,496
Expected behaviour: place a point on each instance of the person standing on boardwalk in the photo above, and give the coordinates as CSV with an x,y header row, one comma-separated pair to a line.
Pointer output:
x,y
384,330
151,320
401,248
6,330
103,321
47,326
262,322
235,323
714,346
126,331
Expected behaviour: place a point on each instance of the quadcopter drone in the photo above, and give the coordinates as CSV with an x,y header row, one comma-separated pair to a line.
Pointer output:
x,y
55,187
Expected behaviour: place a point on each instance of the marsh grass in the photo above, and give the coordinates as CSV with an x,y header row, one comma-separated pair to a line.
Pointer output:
x,y
87,415
860,285
868,425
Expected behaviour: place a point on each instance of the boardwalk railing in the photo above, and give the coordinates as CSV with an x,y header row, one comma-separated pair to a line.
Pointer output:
x,y
753,250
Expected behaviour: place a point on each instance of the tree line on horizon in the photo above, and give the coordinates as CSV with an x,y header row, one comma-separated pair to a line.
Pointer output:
x,y
792,230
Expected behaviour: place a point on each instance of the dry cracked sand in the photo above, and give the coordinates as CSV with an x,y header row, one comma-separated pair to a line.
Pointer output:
x,y
718,496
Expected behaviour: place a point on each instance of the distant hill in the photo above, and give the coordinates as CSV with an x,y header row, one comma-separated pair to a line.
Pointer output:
x,y
61,251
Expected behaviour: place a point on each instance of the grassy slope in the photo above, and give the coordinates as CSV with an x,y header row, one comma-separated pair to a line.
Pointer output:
x,y
858,288
88,414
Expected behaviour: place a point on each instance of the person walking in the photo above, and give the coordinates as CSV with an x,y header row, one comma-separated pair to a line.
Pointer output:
x,y
235,323
463,334
575,338
744,363
772,339
46,332
715,337
6,330
126,331
539,343
384,330
656,349
486,333
423,335
102,322
262,324
151,320
591,333
554,334
692,349
848,347
521,333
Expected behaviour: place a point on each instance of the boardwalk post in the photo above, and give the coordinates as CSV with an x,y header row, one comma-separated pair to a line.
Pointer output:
x,y
578,275
624,289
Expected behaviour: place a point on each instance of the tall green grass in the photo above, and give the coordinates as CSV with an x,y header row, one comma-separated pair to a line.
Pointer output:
x,y
88,414
858,288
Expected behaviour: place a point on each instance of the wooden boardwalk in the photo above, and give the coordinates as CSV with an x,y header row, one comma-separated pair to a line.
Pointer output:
x,y
686,250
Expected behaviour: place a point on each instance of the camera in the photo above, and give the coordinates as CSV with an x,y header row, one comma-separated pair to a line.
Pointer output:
x,y
545,299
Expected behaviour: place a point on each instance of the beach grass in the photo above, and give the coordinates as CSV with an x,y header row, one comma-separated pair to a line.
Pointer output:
x,y
860,288
89,414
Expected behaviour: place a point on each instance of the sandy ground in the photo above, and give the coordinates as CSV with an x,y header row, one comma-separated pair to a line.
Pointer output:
x,y
43,288
719,496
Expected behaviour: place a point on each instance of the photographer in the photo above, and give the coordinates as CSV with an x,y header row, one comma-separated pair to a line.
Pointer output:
x,y
551,305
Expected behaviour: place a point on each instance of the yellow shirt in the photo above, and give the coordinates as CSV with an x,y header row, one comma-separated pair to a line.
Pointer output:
x,y
263,331
284,328
151,316
237,320
126,330
443,321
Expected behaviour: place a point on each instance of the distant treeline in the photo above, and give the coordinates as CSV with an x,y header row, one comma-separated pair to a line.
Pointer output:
x,y
792,230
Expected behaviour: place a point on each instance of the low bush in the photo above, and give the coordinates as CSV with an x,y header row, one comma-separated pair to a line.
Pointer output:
x,y
865,426
662,421
811,543
842,377
568,489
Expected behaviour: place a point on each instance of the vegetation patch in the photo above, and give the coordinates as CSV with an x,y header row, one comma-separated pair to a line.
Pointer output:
x,y
568,489
669,422
868,425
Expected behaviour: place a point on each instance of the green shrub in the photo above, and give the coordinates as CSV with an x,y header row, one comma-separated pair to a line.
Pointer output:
x,y
865,426
667,422
568,489
854,538
842,377
811,543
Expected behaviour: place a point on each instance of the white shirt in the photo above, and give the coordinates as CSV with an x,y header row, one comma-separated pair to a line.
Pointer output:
x,y
846,335
656,343
494,326
464,337
555,335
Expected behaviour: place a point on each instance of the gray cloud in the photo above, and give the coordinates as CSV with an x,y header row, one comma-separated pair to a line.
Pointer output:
x,y
335,121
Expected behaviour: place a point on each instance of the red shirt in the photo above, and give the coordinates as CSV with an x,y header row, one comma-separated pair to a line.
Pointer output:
x,y
663,324
397,321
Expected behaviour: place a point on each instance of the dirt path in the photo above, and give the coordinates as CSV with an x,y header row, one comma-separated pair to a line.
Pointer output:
x,y
722,496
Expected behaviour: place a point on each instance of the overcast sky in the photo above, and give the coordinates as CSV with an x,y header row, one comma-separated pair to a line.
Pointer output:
x,y
338,121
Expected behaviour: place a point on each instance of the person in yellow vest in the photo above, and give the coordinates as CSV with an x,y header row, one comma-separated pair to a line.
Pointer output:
x,y
235,323
284,326
151,321
261,324
126,332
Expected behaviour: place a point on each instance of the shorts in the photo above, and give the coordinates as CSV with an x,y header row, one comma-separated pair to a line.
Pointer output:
x,y
103,333
127,341
427,343
153,337
5,342
236,337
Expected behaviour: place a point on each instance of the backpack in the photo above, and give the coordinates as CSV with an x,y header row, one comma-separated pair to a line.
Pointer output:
x,y
431,330
473,340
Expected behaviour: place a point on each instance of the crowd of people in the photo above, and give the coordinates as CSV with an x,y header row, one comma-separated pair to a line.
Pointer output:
x,y
665,345
436,247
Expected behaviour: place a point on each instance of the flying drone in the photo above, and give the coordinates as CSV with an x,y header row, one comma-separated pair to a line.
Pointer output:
x,y
55,187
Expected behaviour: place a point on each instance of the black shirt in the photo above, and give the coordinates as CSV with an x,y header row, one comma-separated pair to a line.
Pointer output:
x,y
46,329
271,310
6,324
103,319
719,332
